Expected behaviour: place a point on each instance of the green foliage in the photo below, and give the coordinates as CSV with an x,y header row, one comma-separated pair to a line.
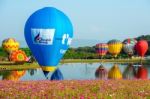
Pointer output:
x,y
2,52
27,51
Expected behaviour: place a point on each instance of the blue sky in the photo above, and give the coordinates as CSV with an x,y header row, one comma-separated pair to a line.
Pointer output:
x,y
93,20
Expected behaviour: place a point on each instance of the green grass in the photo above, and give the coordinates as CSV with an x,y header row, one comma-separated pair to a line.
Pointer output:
x,y
105,60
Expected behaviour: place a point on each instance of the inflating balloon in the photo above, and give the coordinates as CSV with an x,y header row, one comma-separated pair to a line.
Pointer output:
x,y
18,56
101,49
115,73
101,72
129,46
10,45
141,47
114,47
57,75
48,33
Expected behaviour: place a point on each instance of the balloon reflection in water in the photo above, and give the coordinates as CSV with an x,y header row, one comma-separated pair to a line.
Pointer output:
x,y
57,75
14,75
142,73
129,72
115,73
101,72
32,71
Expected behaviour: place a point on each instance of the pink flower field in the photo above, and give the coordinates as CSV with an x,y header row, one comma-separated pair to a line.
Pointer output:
x,y
72,89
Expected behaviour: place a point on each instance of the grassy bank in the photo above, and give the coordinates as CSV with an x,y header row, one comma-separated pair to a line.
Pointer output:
x,y
12,66
145,61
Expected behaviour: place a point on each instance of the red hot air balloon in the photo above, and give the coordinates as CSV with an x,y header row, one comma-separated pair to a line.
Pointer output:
x,y
141,47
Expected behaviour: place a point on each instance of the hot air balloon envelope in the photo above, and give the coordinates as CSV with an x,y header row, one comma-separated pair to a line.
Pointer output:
x,y
141,47
114,47
101,49
129,46
10,45
48,33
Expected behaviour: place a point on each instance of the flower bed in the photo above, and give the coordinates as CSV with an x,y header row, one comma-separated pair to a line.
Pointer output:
x,y
76,89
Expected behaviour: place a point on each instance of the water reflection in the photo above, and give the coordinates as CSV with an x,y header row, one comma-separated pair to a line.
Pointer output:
x,y
129,72
115,72
101,72
57,75
142,73
12,75
83,71
32,71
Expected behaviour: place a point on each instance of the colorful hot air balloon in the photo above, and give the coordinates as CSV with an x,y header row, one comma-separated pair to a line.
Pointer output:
x,y
114,47
142,73
141,47
101,49
57,75
101,72
129,72
48,33
115,73
18,56
10,45
129,46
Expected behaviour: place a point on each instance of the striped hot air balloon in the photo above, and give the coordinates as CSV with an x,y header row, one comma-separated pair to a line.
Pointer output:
x,y
114,47
129,46
101,49
10,45
101,72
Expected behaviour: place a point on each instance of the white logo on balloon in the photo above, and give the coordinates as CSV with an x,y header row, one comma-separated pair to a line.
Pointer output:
x,y
43,36
66,37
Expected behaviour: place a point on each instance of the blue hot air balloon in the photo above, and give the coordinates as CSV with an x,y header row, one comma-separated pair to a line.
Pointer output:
x,y
48,33
57,75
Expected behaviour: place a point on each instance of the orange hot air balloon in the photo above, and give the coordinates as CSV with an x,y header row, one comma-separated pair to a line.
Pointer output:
x,y
18,56
10,45
141,47
14,75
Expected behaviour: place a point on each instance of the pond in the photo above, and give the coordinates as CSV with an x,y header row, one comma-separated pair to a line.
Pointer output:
x,y
69,71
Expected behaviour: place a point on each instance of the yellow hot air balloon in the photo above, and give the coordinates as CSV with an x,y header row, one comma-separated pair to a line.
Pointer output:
x,y
10,45
115,73
114,47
